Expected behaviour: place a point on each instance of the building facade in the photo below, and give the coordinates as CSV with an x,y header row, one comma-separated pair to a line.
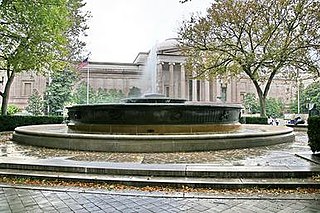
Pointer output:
x,y
23,86
161,70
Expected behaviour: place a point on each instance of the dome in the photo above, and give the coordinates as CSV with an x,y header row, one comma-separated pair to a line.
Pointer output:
x,y
169,43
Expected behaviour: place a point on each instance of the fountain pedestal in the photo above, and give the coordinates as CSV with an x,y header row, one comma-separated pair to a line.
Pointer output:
x,y
154,116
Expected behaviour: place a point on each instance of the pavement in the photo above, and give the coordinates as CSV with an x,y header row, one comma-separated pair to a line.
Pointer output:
x,y
21,199
281,178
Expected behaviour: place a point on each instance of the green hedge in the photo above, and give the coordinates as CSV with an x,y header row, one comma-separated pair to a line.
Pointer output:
x,y
254,120
9,123
314,133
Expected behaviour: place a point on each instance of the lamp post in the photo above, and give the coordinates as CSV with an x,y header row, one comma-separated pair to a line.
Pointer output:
x,y
298,96
298,91
85,63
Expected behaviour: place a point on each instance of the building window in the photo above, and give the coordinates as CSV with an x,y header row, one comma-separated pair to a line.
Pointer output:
x,y
242,95
27,88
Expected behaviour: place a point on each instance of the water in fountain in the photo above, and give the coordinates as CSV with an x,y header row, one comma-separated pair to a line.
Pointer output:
x,y
150,71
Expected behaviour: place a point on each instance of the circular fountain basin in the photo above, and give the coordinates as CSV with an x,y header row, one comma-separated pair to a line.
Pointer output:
x,y
157,115
57,136
153,124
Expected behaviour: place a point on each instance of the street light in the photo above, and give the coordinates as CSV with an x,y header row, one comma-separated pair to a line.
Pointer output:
x,y
298,91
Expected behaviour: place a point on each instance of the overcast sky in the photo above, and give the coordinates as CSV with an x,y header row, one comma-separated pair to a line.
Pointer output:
x,y
120,29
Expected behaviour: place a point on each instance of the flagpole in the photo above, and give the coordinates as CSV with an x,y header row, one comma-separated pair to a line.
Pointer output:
x,y
88,83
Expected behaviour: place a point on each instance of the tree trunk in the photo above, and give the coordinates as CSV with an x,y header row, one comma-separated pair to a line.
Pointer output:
x,y
262,99
263,109
5,94
4,105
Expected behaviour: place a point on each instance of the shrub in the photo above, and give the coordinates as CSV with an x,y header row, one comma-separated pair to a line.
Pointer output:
x,y
9,123
314,133
12,109
35,104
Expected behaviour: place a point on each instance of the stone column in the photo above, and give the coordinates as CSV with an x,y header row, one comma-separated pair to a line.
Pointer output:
x,y
234,87
183,81
200,90
218,90
229,91
214,89
160,83
194,87
206,91
171,80
194,90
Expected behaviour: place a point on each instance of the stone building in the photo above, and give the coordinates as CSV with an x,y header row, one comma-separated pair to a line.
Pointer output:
x,y
161,70
23,86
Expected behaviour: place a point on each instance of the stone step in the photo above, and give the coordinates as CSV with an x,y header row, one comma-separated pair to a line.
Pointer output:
x,y
194,182
163,170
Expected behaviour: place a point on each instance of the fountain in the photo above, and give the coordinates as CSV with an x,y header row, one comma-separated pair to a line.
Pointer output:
x,y
153,115
153,124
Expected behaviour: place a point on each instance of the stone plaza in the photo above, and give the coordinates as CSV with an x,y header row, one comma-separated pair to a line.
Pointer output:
x,y
296,191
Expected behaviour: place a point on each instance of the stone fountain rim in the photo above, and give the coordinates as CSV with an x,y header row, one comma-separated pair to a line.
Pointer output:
x,y
273,130
200,104
38,136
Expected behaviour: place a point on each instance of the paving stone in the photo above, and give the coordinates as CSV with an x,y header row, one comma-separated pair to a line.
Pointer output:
x,y
282,154
63,209
99,203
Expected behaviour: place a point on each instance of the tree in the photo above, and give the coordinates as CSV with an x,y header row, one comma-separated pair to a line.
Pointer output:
x,y
258,38
35,104
250,103
79,95
107,96
274,107
294,106
58,92
98,96
309,95
38,35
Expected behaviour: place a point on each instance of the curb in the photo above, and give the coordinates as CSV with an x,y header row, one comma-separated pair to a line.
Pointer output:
x,y
163,194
